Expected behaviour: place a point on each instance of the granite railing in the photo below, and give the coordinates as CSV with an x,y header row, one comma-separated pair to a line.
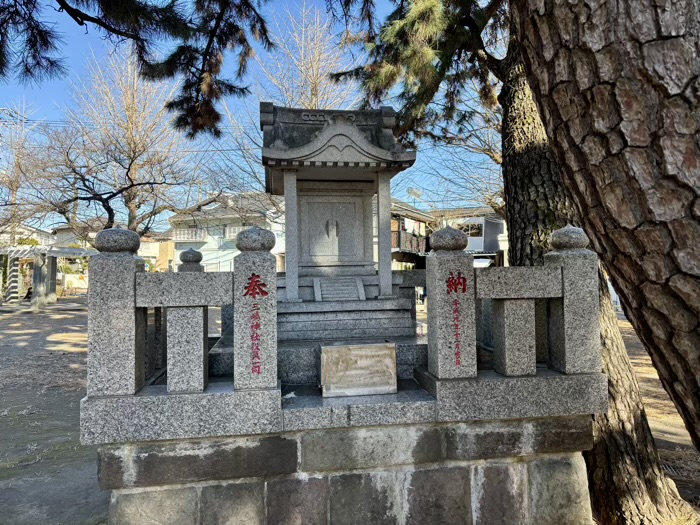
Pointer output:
x,y
550,312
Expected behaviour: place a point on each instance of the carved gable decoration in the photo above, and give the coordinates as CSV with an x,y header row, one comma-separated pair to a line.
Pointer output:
x,y
351,139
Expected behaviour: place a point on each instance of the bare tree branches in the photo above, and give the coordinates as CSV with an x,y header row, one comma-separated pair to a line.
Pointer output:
x,y
117,159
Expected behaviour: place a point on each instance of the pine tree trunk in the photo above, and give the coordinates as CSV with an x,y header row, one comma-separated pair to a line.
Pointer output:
x,y
536,203
626,482
617,84
625,479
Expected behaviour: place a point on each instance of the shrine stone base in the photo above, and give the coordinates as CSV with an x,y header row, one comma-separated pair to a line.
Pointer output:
x,y
525,471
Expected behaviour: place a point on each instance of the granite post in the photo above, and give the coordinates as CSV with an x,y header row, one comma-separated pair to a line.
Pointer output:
x,y
187,341
255,311
384,235
3,278
161,337
116,328
39,274
514,337
52,270
451,306
574,324
226,318
12,290
291,235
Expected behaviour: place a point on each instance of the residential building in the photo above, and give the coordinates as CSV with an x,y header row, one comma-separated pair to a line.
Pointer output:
x,y
409,236
482,224
24,234
150,250
212,230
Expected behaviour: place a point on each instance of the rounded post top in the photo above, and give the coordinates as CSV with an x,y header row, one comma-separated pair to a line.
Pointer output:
x,y
449,239
255,239
568,238
114,240
191,256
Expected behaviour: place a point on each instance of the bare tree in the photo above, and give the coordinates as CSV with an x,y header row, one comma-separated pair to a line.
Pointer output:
x,y
118,160
296,73
16,129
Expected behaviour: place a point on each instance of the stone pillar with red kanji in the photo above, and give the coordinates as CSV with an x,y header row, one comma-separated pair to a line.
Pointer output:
x,y
451,306
255,311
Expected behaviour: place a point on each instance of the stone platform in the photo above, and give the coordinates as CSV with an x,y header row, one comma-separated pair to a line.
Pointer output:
x,y
346,319
296,360
479,473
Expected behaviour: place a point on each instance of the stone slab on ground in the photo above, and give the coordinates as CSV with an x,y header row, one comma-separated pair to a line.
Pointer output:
x,y
357,370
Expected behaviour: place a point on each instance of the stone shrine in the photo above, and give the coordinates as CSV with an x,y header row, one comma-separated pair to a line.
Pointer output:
x,y
488,419
334,169
328,165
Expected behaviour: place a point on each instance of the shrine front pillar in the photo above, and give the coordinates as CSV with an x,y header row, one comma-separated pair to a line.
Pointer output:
x,y
291,236
384,234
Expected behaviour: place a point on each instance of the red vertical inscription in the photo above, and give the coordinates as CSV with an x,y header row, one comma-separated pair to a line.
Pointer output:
x,y
457,284
255,288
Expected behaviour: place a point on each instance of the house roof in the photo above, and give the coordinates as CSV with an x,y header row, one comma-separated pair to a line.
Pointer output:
x,y
399,207
253,204
8,227
464,213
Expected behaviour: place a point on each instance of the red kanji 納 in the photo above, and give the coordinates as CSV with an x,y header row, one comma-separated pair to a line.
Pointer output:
x,y
456,284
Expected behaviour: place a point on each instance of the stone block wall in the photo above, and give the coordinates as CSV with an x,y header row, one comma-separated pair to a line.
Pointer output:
x,y
527,471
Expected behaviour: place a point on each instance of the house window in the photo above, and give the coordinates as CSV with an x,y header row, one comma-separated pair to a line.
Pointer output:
x,y
472,229
231,231
476,230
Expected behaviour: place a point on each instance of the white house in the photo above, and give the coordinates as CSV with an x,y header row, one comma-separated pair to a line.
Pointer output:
x,y
482,225
213,228
22,233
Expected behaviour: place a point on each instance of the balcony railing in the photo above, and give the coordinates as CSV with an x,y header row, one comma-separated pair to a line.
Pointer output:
x,y
190,234
539,325
408,242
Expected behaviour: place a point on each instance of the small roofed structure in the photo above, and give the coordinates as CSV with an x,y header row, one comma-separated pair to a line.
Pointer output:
x,y
329,165
44,270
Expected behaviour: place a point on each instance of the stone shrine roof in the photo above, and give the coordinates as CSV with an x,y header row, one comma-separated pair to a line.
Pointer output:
x,y
311,141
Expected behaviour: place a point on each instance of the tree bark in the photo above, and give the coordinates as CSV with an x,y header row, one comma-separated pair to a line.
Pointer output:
x,y
625,478
626,482
617,84
536,202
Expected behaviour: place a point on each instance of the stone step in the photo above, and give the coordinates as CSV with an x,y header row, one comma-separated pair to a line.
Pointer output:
x,y
339,289
334,335
346,324
344,306
329,316
340,286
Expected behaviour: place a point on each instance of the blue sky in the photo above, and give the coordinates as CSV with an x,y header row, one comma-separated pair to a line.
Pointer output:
x,y
48,98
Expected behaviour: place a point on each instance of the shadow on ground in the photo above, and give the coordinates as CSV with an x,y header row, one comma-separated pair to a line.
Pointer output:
x,y
46,476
